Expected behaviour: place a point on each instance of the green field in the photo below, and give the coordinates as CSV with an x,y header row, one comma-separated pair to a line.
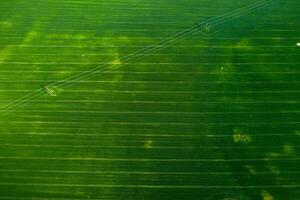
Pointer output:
x,y
212,115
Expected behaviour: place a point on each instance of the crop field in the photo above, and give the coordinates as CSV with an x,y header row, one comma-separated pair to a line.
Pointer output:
x,y
149,100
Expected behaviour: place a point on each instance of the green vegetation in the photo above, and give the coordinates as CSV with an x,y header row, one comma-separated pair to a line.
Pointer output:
x,y
87,114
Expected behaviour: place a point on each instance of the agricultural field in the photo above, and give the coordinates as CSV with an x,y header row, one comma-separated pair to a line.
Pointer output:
x,y
149,100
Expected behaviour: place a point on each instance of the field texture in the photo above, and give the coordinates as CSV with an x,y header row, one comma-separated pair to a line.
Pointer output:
x,y
149,100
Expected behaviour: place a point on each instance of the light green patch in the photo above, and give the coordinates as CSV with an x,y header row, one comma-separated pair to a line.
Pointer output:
x,y
273,169
240,137
288,149
148,144
267,196
273,154
251,169
30,36
116,61
5,53
8,51
123,39
6,24
244,44
68,36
